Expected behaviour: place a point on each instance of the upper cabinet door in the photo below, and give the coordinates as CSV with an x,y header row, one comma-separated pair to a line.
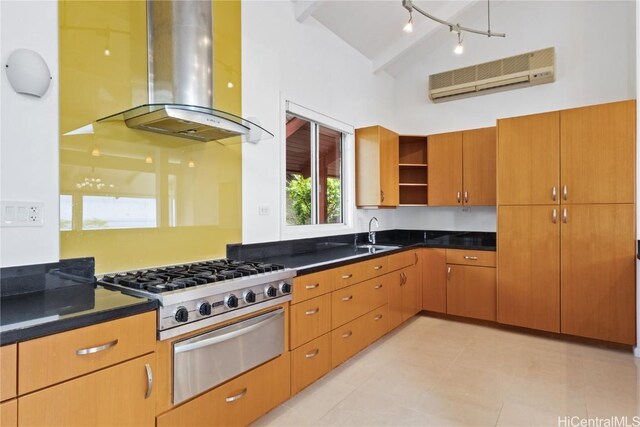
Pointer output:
x,y
479,166
444,154
376,167
598,153
389,191
528,159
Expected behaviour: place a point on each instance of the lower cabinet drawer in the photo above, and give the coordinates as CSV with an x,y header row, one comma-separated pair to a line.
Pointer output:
x,y
309,320
356,300
309,362
376,323
117,396
238,402
9,413
346,341
470,257
401,260
471,291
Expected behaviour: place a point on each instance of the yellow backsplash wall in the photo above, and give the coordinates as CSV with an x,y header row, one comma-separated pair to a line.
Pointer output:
x,y
191,191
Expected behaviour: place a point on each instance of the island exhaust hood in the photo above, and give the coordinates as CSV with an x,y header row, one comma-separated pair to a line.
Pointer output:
x,y
180,78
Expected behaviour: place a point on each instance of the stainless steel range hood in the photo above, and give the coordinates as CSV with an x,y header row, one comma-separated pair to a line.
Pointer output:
x,y
180,78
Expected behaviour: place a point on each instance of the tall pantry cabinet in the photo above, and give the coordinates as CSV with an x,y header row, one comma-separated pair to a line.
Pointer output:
x,y
566,221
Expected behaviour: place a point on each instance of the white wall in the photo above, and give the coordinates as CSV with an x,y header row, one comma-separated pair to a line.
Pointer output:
x,y
29,134
595,63
307,64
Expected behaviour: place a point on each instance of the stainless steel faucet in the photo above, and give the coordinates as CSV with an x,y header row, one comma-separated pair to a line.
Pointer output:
x,y
372,234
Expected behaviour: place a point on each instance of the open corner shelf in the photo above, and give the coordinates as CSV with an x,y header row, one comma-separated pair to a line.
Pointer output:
x,y
412,170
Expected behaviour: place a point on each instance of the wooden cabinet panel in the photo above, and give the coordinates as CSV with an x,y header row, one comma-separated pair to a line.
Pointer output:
x,y
598,153
237,402
376,323
347,275
310,319
376,167
471,257
598,272
110,397
434,282
402,260
52,359
347,340
9,413
309,362
412,291
8,371
374,267
445,169
528,159
395,281
311,285
529,267
471,291
479,166
356,300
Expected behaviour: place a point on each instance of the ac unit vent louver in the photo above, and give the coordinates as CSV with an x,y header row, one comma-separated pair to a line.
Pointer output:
x,y
528,69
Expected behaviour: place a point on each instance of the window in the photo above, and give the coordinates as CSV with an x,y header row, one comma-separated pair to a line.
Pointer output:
x,y
314,172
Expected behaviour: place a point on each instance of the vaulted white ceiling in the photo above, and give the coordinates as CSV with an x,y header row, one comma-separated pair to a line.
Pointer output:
x,y
374,27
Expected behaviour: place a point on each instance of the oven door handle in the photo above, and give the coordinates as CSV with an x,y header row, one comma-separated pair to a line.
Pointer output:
x,y
181,348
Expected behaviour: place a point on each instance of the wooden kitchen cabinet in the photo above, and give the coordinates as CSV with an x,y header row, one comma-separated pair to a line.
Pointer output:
x,y
237,402
434,281
462,168
598,272
376,167
529,159
471,291
9,413
413,170
310,362
528,290
310,319
311,285
55,358
356,300
598,153
119,395
405,292
8,371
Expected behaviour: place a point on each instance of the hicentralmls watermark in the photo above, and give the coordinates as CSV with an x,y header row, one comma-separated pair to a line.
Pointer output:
x,y
575,421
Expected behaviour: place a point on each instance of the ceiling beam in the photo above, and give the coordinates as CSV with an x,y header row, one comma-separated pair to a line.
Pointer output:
x,y
422,29
305,8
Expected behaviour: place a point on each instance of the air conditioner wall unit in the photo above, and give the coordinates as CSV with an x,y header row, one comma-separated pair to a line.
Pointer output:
x,y
527,69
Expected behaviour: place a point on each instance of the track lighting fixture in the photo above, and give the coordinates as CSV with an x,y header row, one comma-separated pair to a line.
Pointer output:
x,y
457,28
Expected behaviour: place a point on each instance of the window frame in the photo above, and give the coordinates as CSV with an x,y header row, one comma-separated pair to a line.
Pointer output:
x,y
288,231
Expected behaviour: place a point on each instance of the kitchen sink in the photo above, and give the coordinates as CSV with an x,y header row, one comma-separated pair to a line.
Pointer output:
x,y
377,248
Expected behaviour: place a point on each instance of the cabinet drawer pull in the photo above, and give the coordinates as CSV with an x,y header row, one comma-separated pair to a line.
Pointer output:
x,y
315,285
458,197
347,276
377,286
381,196
472,258
347,298
378,317
347,334
377,267
554,216
149,380
237,396
312,353
565,192
96,349
466,197
554,193
448,273
564,215
311,312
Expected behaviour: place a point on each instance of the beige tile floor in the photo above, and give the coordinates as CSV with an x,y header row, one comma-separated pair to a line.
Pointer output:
x,y
436,372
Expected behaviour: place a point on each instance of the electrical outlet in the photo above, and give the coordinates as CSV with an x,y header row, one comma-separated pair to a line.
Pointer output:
x,y
22,214
263,209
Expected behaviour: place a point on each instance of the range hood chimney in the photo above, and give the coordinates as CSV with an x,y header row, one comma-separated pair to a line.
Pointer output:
x,y
180,78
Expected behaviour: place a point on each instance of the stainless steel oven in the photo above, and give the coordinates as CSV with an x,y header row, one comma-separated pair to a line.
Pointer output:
x,y
206,360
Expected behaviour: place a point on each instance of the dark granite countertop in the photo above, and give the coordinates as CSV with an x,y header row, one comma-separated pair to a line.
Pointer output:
x,y
310,255
44,299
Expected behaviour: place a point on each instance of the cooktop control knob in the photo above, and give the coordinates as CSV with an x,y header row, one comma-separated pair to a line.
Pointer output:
x,y
285,287
204,308
181,314
270,291
231,301
249,296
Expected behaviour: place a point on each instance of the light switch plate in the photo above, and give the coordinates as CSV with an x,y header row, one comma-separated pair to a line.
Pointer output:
x,y
21,214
